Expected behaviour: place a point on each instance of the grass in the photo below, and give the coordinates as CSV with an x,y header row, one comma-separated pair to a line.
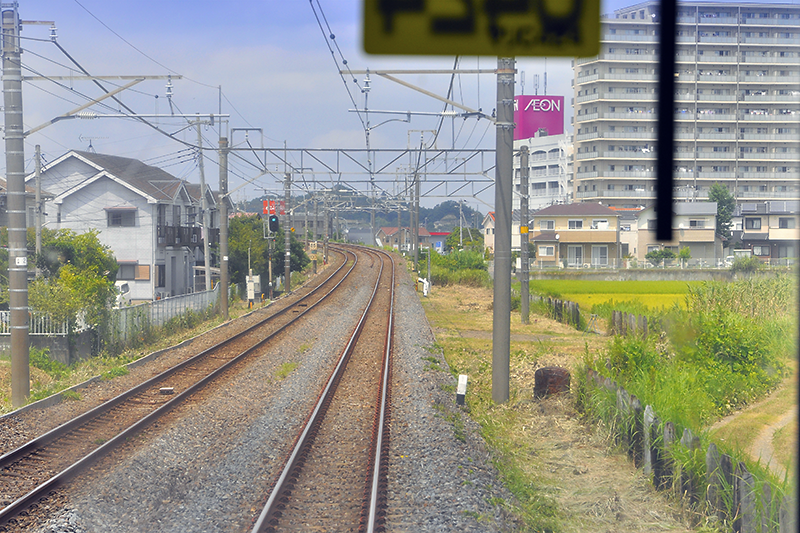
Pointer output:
x,y
285,370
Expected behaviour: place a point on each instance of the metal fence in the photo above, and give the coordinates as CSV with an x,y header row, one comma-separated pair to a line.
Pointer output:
x,y
39,324
126,323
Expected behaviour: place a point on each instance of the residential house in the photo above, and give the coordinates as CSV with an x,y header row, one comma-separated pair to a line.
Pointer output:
x,y
30,203
402,238
488,232
149,219
770,230
575,235
694,226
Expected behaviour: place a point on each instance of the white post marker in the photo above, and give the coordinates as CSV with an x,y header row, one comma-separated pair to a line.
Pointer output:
x,y
461,391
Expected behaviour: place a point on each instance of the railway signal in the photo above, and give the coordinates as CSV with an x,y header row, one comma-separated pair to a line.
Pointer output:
x,y
274,225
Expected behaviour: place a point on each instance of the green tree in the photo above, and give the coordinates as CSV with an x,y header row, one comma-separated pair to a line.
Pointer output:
x,y
684,255
472,239
77,276
725,206
656,257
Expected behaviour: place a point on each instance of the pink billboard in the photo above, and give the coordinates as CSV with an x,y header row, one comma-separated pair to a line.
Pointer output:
x,y
535,112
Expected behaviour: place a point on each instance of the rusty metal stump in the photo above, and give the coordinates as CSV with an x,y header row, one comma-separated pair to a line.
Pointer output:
x,y
550,380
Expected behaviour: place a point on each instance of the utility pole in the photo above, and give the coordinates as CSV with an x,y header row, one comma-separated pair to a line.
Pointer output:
x,y
223,226
415,226
204,209
503,184
15,178
523,236
38,167
287,262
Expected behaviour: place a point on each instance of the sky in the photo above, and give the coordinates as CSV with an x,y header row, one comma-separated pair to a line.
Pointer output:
x,y
268,64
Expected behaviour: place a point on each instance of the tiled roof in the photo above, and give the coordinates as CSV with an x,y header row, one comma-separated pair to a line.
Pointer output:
x,y
153,181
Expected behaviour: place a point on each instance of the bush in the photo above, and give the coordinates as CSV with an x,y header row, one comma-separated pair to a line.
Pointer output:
x,y
746,265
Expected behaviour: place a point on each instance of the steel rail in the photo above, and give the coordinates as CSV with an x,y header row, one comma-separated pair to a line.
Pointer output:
x,y
381,451
70,472
315,418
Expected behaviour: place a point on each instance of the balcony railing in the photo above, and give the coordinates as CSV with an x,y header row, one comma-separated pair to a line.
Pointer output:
x,y
179,236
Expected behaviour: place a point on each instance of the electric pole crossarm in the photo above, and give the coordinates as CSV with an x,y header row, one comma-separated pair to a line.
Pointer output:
x,y
436,96
72,114
106,78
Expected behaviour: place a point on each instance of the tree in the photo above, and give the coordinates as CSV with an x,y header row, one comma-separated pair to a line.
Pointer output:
x,y
657,256
472,238
684,255
77,276
725,206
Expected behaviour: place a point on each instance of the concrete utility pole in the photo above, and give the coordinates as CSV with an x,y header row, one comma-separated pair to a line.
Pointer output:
x,y
223,226
204,209
524,304
38,167
503,184
415,225
287,262
15,178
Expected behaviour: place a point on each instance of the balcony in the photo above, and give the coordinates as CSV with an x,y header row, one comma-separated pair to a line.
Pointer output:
x,y
716,155
770,79
716,78
715,116
179,235
608,37
769,118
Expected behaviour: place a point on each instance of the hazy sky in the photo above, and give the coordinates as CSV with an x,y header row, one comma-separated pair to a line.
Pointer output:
x,y
273,64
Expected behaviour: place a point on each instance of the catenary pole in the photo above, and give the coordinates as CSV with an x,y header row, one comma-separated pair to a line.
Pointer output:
x,y
503,183
287,260
204,209
223,226
17,230
38,174
523,236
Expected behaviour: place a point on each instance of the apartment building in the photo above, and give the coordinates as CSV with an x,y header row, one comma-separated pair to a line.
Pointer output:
x,y
550,171
736,104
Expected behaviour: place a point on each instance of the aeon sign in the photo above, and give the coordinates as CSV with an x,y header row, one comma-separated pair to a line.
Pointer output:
x,y
533,113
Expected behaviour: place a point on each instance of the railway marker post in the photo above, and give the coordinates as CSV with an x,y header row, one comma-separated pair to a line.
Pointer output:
x,y
461,390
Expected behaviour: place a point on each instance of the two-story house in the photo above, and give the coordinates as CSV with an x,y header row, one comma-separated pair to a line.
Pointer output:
x,y
148,218
694,226
402,238
770,230
576,235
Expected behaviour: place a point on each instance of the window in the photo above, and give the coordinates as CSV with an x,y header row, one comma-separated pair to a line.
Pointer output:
x,y
161,276
599,255
752,223
126,272
600,224
700,223
761,250
121,218
547,225
547,251
575,224
786,223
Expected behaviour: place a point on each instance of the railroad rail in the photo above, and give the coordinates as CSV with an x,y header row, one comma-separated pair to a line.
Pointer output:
x,y
35,469
332,444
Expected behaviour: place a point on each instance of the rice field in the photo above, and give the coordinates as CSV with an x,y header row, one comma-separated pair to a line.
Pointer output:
x,y
586,293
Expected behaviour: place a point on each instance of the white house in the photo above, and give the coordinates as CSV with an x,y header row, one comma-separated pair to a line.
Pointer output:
x,y
148,218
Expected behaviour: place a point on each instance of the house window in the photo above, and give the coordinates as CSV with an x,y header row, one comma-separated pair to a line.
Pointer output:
x,y
600,223
126,272
161,276
653,248
600,255
761,250
651,225
786,223
575,224
121,218
752,223
697,223
547,251
176,215
547,225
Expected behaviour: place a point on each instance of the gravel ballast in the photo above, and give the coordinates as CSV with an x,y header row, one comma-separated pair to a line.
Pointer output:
x,y
207,466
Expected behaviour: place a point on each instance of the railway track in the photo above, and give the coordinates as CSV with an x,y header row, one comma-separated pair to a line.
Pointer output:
x,y
335,475
35,469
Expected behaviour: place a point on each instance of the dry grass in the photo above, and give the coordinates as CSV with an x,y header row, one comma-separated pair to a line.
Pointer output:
x,y
566,477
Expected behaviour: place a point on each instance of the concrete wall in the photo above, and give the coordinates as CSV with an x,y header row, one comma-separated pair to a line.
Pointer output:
x,y
59,346
639,275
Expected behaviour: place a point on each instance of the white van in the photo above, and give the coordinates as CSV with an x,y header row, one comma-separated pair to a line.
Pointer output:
x,y
123,293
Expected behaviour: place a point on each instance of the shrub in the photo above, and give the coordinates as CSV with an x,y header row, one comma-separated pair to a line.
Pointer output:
x,y
746,265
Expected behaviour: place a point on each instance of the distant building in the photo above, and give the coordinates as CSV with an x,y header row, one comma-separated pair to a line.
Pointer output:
x,y
770,230
737,101
694,226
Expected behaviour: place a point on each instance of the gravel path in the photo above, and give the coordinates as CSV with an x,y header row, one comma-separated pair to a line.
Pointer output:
x,y
185,475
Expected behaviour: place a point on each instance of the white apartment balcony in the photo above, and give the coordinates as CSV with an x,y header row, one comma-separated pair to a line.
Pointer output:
x,y
623,76
792,78
586,118
716,97
629,174
768,176
612,37
628,116
781,156
629,135
717,20
716,78
605,193
586,78
716,117
684,97
731,136
750,60
770,40
587,98
716,155
767,195
770,22
768,137
716,175
589,136
618,154
716,39
712,59
630,97
636,58
586,155
587,175
770,97
769,118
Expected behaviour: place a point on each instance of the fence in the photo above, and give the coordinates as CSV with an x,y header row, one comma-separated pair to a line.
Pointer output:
x,y
560,310
126,324
727,489
627,324
39,324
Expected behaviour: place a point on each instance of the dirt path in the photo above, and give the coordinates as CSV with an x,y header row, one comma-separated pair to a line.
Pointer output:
x,y
778,415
